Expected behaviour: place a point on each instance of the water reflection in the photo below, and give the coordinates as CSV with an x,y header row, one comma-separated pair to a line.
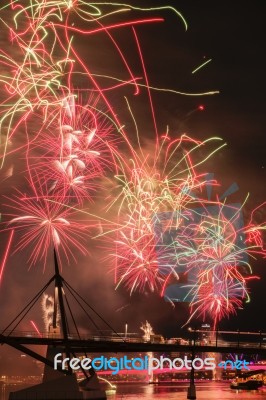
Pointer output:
x,y
177,391
205,390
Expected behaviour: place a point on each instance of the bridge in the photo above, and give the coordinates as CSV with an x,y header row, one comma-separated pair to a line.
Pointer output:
x,y
115,344
75,343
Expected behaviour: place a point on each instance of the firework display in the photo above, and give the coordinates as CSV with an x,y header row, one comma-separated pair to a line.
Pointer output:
x,y
147,331
48,312
165,232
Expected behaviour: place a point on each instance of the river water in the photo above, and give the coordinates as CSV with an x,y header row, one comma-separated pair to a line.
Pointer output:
x,y
178,391
205,390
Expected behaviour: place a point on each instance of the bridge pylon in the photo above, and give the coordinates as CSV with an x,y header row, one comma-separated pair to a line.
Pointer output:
x,y
56,384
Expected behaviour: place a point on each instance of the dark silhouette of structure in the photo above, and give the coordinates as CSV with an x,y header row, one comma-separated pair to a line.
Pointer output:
x,y
57,384
62,384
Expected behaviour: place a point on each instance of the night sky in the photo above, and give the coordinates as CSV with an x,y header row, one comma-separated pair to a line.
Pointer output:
x,y
232,34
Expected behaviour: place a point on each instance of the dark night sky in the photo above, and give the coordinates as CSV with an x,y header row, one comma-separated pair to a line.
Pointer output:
x,y
232,34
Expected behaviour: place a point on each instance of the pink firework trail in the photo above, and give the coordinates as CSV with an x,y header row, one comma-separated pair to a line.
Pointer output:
x,y
71,155
151,185
45,224
69,145
36,328
6,253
